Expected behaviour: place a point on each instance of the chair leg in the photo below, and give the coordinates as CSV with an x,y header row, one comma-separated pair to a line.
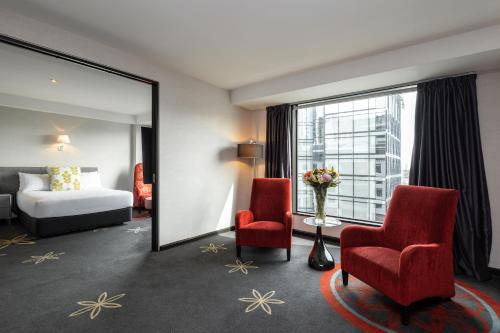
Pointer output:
x,y
345,278
238,251
405,315
288,254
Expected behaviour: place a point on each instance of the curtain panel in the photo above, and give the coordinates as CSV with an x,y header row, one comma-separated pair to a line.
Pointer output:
x,y
447,153
279,141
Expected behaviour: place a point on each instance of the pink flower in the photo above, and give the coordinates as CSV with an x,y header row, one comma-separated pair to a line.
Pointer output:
x,y
327,178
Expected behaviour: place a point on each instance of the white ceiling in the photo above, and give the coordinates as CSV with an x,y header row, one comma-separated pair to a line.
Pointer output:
x,y
27,75
232,43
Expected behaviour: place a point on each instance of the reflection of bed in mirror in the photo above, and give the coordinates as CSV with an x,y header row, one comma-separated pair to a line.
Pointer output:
x,y
56,111
47,213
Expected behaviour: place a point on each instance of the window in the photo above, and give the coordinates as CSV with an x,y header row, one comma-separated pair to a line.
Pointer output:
x,y
368,140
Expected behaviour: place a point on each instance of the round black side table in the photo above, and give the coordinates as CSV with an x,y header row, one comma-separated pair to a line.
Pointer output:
x,y
320,258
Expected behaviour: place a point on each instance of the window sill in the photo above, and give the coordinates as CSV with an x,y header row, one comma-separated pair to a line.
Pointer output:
x,y
344,220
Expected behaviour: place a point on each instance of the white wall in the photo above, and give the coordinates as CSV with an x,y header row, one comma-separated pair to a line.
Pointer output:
x,y
488,90
27,139
200,176
488,95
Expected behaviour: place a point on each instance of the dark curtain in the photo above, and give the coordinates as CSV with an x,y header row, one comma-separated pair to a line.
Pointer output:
x,y
279,141
147,154
447,153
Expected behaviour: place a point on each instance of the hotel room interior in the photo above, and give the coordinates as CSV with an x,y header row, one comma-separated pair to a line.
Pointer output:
x,y
282,166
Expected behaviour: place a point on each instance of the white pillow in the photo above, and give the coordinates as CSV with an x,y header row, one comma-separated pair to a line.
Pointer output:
x,y
33,182
90,180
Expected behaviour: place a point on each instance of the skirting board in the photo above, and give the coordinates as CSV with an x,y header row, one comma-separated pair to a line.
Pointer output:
x,y
195,238
300,233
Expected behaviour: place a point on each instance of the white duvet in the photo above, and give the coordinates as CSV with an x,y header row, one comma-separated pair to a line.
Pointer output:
x,y
41,204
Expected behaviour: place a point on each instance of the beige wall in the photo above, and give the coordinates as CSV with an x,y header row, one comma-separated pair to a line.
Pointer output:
x,y
488,90
27,139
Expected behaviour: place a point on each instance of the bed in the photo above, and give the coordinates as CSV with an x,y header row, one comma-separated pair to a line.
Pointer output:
x,y
46,213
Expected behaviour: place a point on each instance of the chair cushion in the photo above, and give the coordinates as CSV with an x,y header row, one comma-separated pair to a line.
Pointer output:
x,y
265,225
376,266
263,233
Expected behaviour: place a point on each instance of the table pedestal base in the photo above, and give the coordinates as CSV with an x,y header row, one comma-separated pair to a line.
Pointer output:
x,y
320,258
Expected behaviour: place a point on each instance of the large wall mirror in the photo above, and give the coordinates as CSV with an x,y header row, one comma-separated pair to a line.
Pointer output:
x,y
78,145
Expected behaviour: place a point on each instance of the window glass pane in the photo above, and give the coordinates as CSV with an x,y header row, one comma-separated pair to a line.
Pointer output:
x,y
346,166
361,120
347,187
345,145
369,140
361,167
361,144
345,122
361,187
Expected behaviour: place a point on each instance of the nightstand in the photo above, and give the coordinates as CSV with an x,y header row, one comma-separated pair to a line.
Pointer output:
x,y
6,207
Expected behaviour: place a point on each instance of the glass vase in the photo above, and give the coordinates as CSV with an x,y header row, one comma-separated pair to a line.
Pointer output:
x,y
320,194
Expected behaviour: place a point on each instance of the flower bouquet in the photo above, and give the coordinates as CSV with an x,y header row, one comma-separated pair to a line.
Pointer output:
x,y
321,179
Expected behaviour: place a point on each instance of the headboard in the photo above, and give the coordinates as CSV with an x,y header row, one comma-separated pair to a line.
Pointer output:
x,y
9,179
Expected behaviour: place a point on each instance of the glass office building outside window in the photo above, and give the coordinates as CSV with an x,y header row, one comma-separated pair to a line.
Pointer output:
x,y
361,138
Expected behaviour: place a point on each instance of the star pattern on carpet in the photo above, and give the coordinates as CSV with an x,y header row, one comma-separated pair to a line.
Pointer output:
x,y
262,301
240,266
212,248
47,256
137,230
18,240
95,307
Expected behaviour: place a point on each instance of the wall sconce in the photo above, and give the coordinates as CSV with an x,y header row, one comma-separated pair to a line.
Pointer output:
x,y
251,150
62,140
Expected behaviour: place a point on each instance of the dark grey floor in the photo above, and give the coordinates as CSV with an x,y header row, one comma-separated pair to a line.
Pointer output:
x,y
178,290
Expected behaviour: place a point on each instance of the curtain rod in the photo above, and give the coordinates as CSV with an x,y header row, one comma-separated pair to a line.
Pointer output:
x,y
403,86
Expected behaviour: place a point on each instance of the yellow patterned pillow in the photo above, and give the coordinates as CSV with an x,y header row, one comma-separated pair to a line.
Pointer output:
x,y
64,178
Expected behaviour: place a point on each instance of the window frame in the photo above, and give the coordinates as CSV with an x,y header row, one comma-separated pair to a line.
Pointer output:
x,y
335,99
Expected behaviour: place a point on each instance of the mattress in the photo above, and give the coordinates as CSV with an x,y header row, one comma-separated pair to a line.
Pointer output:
x,y
43,204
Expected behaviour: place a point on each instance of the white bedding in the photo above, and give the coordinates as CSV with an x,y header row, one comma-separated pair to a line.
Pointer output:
x,y
41,204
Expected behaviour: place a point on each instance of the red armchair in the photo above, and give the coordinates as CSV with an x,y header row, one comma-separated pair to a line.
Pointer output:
x,y
141,190
268,223
410,257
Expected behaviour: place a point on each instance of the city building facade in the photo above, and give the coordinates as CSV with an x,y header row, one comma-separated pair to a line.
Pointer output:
x,y
361,138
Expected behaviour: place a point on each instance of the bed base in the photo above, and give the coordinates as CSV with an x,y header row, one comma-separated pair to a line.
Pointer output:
x,y
52,226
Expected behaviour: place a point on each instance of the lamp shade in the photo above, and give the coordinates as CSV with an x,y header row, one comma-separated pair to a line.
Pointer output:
x,y
63,139
250,150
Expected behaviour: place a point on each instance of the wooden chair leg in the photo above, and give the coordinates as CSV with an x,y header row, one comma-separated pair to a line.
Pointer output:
x,y
405,315
238,251
345,278
288,254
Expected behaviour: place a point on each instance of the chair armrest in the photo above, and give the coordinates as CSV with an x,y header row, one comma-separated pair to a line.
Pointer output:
x,y
423,258
288,220
243,217
354,236
425,270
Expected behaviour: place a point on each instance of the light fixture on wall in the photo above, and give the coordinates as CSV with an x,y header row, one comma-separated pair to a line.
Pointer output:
x,y
251,150
62,140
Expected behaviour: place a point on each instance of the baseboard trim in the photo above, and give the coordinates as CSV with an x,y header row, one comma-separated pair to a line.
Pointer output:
x,y
300,233
330,239
195,238
495,271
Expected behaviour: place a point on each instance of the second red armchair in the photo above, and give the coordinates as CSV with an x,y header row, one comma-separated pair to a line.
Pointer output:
x,y
268,222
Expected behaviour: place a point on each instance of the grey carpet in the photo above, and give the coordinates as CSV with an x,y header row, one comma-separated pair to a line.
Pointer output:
x,y
178,290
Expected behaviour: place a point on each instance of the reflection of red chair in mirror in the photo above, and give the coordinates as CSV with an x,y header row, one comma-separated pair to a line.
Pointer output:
x,y
141,190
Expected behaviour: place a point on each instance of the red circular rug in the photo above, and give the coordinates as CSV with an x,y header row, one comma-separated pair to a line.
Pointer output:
x,y
469,311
